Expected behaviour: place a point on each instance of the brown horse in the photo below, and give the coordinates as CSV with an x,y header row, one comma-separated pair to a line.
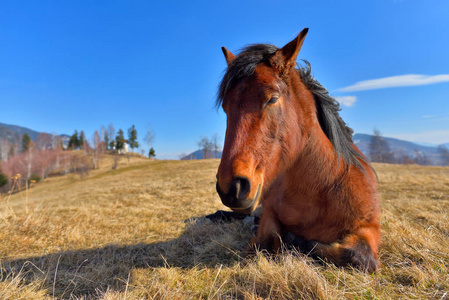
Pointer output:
x,y
287,148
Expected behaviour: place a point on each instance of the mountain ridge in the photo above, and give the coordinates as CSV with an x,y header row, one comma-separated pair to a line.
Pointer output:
x,y
14,133
361,140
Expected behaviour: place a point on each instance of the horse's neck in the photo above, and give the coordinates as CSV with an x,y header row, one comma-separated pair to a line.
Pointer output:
x,y
317,164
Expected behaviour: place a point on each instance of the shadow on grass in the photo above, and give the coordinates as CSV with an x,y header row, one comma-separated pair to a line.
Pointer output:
x,y
88,272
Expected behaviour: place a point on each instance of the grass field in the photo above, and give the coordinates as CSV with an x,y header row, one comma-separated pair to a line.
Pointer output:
x,y
132,233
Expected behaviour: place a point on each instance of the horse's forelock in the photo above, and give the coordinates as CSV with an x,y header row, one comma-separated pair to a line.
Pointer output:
x,y
243,66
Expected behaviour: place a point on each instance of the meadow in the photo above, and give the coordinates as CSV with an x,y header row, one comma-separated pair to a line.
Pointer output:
x,y
137,232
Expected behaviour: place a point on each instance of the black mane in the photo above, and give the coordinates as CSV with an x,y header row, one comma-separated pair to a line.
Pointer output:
x,y
336,130
331,123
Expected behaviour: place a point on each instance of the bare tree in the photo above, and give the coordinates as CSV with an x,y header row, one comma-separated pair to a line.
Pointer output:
x,y
215,141
403,158
444,155
104,136
149,137
43,162
206,145
116,160
44,141
29,158
97,150
4,149
421,158
56,142
12,150
111,136
379,150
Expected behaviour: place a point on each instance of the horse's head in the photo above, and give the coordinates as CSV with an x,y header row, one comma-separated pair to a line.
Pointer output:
x,y
263,135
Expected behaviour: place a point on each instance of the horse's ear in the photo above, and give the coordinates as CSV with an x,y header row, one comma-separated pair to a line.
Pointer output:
x,y
285,58
228,55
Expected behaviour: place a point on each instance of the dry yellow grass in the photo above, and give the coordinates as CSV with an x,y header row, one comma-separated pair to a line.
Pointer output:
x,y
128,234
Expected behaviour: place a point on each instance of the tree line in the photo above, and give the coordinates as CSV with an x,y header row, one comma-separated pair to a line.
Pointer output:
x,y
47,155
380,151
210,147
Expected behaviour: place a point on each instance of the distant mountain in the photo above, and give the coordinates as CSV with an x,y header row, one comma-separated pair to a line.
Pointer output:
x,y
11,132
399,147
199,154
14,133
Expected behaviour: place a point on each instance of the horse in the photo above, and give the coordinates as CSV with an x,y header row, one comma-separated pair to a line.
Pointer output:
x,y
287,150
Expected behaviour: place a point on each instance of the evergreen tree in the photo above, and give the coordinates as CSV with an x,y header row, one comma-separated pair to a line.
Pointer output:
x,y
106,141
120,140
132,138
25,142
3,179
112,144
151,153
74,141
82,141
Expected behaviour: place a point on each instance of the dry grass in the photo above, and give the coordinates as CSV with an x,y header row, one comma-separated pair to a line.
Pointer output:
x,y
128,234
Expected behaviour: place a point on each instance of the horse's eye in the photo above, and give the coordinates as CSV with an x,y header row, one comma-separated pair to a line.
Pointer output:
x,y
273,100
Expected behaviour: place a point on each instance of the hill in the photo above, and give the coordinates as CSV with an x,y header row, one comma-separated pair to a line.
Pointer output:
x,y
133,233
19,131
14,133
199,154
9,135
398,147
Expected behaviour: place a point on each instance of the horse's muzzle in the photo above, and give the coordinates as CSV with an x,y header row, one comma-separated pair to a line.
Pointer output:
x,y
237,196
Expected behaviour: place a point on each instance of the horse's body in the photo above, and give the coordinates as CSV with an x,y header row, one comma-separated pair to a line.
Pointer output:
x,y
287,148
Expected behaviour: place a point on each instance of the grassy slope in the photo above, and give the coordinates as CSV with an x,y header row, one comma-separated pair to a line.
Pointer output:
x,y
126,233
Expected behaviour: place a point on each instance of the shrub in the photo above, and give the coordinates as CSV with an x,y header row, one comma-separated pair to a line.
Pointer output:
x,y
35,178
3,179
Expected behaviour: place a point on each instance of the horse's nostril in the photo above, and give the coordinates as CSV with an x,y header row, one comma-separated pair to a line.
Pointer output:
x,y
240,188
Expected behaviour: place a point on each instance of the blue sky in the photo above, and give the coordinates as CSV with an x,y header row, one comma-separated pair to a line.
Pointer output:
x,y
67,65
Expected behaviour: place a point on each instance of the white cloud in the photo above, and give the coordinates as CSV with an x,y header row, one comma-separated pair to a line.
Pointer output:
x,y
435,137
439,117
395,81
346,100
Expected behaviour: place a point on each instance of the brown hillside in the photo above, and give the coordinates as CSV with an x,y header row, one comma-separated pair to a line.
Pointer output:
x,y
128,234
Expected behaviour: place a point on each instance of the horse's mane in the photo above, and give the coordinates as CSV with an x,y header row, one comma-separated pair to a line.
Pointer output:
x,y
336,130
